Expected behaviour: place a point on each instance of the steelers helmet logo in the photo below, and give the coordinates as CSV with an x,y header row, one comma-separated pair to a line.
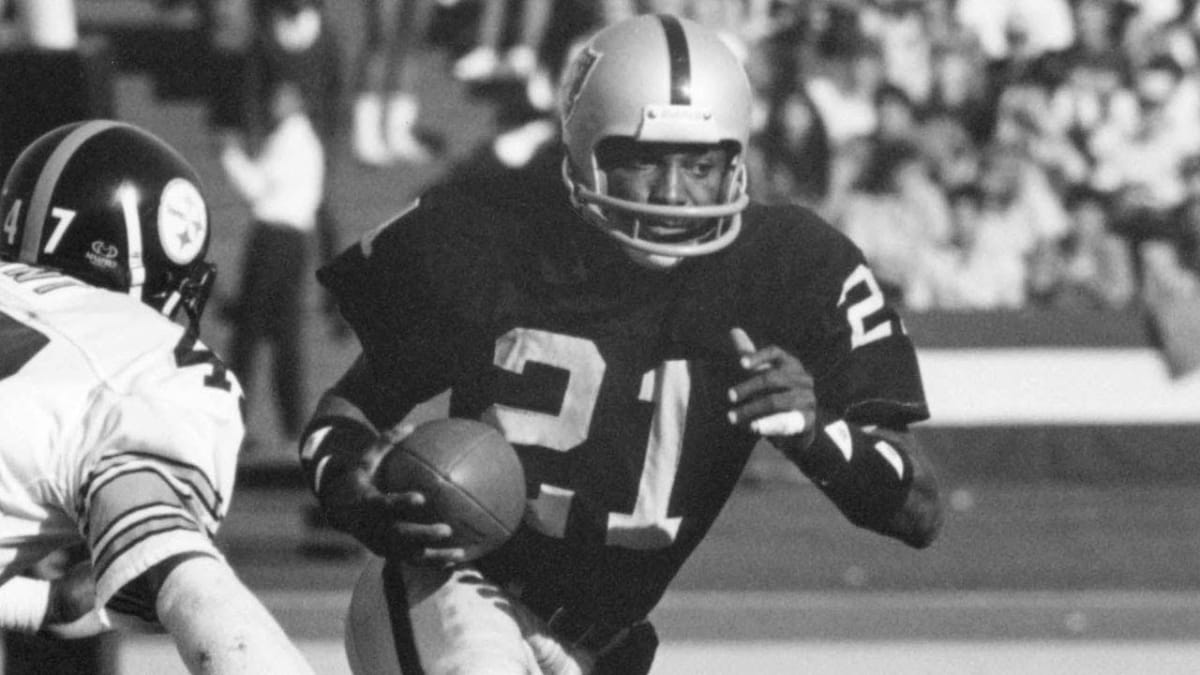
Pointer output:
x,y
182,221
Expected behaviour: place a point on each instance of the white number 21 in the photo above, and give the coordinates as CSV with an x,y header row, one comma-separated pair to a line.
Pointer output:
x,y
667,387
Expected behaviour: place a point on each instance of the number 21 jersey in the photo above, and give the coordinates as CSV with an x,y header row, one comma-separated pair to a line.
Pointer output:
x,y
612,380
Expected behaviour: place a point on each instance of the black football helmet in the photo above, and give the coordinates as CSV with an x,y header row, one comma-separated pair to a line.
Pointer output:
x,y
113,206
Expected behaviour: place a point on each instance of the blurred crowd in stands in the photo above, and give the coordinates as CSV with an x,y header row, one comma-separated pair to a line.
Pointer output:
x,y
985,154
991,154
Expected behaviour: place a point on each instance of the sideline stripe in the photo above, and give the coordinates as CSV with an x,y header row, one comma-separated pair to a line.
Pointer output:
x,y
1039,386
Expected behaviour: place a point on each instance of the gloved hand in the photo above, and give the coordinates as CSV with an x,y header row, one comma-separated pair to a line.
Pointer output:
x,y
394,525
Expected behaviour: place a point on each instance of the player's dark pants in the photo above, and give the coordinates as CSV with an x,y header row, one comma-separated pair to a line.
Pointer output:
x,y
269,309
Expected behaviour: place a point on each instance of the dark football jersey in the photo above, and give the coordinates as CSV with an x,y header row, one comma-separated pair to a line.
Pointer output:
x,y
610,379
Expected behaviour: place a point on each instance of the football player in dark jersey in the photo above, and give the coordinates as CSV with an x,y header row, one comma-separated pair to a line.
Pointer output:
x,y
634,336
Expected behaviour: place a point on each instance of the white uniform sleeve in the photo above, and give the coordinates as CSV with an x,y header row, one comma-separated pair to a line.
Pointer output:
x,y
162,483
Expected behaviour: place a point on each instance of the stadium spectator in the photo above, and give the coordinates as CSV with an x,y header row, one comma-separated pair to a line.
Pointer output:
x,y
896,116
296,43
1024,118
230,29
1093,266
901,30
42,24
960,90
521,59
1185,220
790,159
1171,294
1151,27
895,214
952,153
1142,165
386,107
844,93
1094,101
283,183
842,89
1004,230
1017,30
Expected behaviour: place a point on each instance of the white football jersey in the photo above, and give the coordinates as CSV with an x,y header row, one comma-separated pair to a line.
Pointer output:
x,y
117,428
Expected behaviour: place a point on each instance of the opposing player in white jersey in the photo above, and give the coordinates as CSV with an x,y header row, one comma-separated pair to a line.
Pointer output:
x,y
120,428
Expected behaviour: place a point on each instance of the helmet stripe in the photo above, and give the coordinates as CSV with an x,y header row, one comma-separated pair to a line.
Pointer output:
x,y
133,239
681,60
39,203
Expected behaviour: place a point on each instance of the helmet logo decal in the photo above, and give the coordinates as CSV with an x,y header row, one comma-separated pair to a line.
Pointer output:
x,y
581,68
103,255
182,221
681,61
105,249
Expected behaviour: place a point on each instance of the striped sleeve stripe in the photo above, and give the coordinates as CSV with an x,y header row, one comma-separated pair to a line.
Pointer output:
x,y
189,473
142,531
133,519
140,554
199,483
48,181
133,486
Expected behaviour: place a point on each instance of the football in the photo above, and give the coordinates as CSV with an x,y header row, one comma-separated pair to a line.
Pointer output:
x,y
470,475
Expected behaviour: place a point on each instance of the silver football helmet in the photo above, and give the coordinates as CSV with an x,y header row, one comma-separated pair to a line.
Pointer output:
x,y
655,79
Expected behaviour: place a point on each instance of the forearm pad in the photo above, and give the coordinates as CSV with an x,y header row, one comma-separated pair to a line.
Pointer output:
x,y
867,474
326,437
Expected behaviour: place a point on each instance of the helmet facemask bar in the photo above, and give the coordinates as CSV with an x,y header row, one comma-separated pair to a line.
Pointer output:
x,y
623,219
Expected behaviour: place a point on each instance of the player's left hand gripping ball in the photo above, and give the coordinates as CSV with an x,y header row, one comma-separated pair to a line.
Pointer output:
x,y
777,400
391,523
470,476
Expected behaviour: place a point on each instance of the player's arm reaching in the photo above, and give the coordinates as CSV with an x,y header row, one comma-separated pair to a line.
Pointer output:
x,y
149,515
873,474
341,452
218,625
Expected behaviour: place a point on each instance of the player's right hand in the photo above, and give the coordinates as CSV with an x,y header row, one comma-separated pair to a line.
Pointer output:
x,y
394,525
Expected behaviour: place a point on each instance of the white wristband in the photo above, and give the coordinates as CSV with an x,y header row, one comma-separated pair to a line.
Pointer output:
x,y
23,604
